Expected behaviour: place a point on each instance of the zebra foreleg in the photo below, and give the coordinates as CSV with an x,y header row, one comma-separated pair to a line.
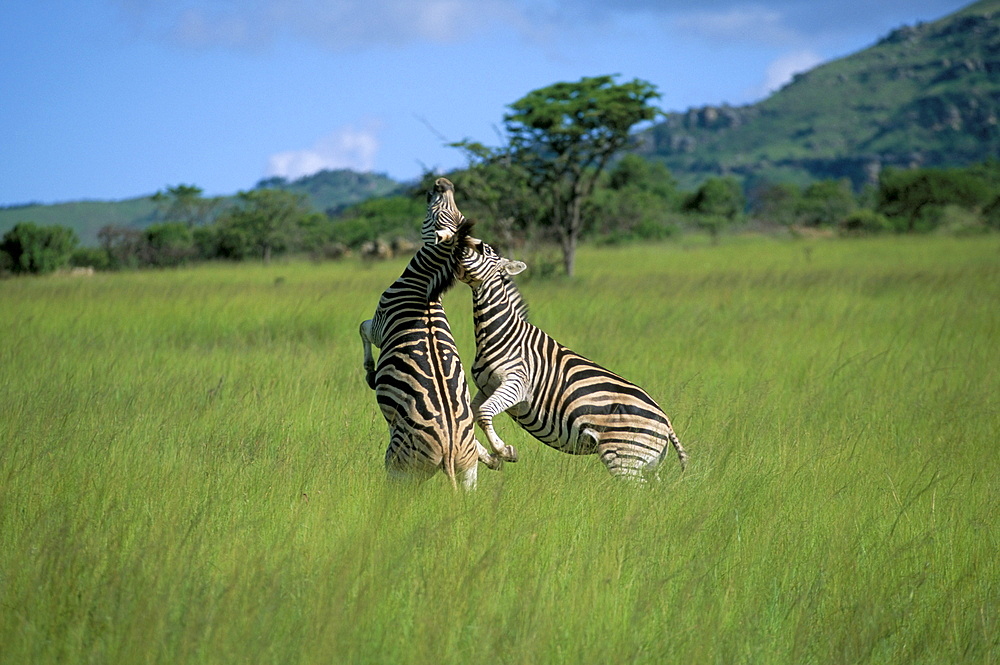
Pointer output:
x,y
486,409
366,343
491,461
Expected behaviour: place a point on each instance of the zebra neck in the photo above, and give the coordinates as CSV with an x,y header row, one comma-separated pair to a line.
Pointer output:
x,y
430,272
497,301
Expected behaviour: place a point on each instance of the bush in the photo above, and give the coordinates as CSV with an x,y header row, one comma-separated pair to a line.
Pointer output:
x,y
991,214
956,220
38,250
826,203
864,222
623,215
916,197
90,257
374,219
169,244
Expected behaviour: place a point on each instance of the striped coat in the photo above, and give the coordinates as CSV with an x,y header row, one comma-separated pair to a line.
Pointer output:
x,y
558,396
419,382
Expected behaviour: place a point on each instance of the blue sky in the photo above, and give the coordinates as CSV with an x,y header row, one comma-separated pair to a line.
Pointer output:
x,y
113,99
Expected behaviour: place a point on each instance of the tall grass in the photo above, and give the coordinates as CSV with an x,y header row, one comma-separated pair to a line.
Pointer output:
x,y
191,469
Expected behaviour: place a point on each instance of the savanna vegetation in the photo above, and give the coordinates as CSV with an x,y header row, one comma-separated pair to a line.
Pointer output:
x,y
635,200
559,177
191,468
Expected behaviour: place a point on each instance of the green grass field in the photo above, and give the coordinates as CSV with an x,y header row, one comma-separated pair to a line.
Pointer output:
x,y
191,469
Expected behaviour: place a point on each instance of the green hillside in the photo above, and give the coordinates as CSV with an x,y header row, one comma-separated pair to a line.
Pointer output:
x,y
84,217
331,191
326,191
925,95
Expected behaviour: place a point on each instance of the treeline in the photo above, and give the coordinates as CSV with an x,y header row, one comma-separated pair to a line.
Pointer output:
x,y
636,200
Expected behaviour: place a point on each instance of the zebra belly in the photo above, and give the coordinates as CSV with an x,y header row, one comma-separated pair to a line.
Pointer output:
x,y
592,426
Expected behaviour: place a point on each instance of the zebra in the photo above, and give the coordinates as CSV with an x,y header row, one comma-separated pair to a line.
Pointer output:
x,y
443,216
564,400
419,381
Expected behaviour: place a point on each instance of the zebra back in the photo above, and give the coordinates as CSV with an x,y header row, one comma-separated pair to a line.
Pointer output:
x,y
419,382
563,399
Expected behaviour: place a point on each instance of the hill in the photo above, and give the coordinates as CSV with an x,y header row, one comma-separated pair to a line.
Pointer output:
x,y
924,95
332,191
84,217
327,191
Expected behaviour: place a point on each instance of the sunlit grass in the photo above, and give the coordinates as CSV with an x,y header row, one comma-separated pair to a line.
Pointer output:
x,y
191,469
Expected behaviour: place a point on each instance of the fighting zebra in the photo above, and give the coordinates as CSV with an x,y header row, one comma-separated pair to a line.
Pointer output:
x,y
561,398
443,216
419,382
442,221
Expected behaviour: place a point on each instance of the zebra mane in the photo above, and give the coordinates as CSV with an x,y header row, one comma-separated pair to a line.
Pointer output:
x,y
446,278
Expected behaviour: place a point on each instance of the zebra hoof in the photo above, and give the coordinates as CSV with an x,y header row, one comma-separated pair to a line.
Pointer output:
x,y
509,454
493,462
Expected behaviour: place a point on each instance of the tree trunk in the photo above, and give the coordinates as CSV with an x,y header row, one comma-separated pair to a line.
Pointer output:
x,y
569,252
571,230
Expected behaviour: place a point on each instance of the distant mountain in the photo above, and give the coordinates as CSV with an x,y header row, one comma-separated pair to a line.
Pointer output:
x,y
925,95
332,191
327,191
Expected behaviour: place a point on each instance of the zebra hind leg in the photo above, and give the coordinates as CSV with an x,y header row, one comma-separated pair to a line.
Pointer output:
x,y
365,330
619,463
467,478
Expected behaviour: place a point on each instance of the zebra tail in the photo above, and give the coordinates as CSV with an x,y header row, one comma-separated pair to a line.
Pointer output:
x,y
682,455
449,469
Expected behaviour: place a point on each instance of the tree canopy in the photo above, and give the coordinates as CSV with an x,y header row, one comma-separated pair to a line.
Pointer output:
x,y
263,222
32,249
563,136
185,204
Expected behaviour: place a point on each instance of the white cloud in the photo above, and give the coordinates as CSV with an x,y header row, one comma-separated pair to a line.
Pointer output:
x,y
195,27
781,71
340,25
741,24
345,148
334,24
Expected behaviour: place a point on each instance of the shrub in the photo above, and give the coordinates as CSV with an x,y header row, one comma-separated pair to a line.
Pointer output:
x,y
90,257
38,249
864,222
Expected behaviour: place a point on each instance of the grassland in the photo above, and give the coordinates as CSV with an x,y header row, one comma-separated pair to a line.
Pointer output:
x,y
190,469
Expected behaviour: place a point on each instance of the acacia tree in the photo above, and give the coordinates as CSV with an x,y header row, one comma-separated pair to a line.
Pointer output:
x,y
184,203
564,135
718,202
264,221
496,188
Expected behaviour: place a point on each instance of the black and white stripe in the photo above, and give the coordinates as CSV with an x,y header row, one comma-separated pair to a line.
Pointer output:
x,y
443,216
419,381
561,398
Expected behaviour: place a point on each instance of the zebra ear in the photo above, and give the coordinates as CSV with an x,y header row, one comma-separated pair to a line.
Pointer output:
x,y
513,267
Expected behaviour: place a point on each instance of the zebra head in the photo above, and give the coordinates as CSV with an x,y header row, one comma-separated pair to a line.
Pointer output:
x,y
443,216
479,263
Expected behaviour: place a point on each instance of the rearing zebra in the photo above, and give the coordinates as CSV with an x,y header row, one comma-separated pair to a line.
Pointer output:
x,y
561,398
443,216
419,382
